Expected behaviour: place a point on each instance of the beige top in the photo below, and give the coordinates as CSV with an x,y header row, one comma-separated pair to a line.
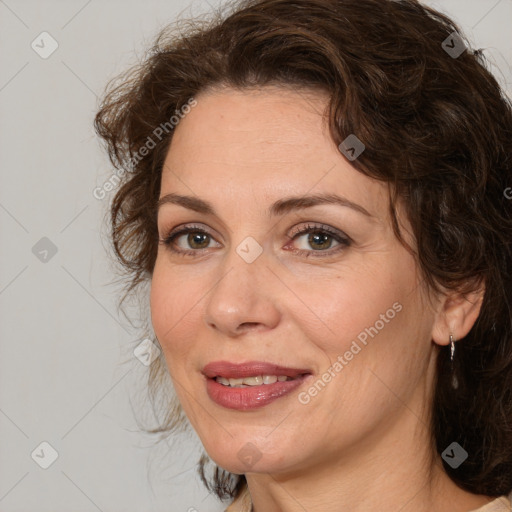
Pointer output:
x,y
501,504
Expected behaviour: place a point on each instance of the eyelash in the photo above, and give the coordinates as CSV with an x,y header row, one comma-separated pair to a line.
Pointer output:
x,y
340,237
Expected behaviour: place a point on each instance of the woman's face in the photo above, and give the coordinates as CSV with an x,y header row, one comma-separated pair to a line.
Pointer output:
x,y
342,311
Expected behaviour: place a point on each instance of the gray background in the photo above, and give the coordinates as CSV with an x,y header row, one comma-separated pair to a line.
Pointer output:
x,y
67,374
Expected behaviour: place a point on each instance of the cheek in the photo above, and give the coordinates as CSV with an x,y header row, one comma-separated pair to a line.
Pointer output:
x,y
369,342
172,311
344,308
160,304
379,326
384,334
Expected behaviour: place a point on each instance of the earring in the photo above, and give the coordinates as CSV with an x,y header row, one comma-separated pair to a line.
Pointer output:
x,y
455,382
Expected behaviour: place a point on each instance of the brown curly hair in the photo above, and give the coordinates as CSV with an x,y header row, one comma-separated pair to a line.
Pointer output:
x,y
436,126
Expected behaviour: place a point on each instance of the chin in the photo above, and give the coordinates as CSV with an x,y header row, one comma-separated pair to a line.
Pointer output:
x,y
250,455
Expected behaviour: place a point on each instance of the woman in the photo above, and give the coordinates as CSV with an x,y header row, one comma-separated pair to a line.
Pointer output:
x,y
316,192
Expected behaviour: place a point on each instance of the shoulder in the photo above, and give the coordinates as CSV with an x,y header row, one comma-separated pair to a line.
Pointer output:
x,y
501,504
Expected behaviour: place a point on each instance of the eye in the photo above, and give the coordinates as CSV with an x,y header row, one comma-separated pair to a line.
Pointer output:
x,y
320,238
196,237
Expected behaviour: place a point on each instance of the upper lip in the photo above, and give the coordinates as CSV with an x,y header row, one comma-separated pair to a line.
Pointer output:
x,y
230,370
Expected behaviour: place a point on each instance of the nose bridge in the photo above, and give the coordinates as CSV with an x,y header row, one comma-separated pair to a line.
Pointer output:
x,y
245,262
241,295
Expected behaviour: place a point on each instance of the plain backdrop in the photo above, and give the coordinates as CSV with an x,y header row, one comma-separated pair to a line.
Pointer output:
x,y
62,380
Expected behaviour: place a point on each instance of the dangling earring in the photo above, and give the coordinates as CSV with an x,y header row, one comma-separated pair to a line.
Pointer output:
x,y
455,382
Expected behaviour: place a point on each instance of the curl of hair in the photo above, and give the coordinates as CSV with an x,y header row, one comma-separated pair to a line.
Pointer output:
x,y
436,128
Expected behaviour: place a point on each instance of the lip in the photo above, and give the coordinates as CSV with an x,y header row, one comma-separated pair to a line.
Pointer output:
x,y
231,370
253,397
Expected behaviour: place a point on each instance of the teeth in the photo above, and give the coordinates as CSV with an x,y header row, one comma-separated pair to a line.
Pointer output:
x,y
253,381
257,380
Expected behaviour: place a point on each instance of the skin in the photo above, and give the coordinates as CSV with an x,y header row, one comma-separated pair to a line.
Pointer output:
x,y
365,433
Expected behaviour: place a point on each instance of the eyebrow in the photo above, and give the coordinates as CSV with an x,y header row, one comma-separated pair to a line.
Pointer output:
x,y
280,207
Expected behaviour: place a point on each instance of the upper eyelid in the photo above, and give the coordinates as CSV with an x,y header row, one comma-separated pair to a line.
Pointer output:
x,y
189,227
304,225
311,226
301,230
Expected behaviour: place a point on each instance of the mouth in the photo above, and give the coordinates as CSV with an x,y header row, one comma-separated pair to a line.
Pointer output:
x,y
251,385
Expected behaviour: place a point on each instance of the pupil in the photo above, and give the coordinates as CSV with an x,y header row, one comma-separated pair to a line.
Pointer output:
x,y
314,237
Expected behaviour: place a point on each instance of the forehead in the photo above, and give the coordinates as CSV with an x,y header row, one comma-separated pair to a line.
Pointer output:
x,y
268,122
268,142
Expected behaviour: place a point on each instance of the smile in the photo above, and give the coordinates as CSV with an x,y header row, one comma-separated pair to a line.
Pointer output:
x,y
251,385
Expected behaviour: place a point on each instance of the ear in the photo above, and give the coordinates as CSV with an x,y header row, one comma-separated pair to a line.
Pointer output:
x,y
456,315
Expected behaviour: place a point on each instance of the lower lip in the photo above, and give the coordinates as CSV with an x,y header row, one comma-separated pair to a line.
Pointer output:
x,y
254,397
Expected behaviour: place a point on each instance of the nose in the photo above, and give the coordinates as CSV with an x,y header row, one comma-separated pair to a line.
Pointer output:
x,y
244,298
